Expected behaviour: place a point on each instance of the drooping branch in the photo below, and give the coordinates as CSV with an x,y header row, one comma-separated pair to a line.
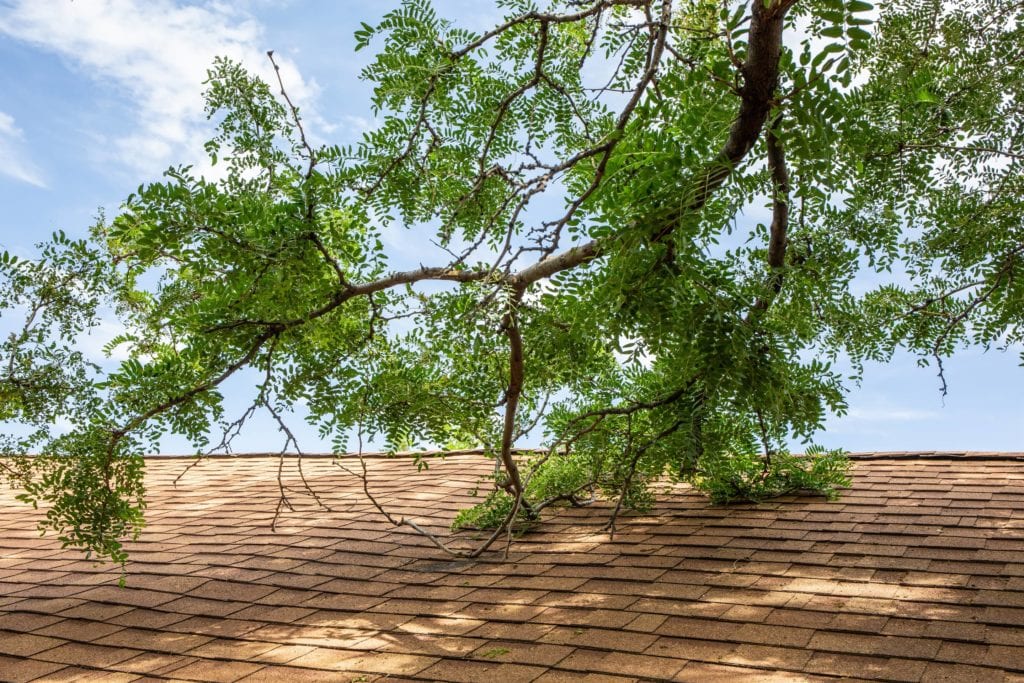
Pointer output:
x,y
655,51
292,441
632,467
510,326
296,119
1007,273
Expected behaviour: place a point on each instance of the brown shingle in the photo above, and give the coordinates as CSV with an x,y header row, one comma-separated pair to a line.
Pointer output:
x,y
94,656
216,671
25,644
858,666
24,670
623,664
471,672
938,672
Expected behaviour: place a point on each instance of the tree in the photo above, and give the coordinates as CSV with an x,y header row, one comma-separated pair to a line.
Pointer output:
x,y
582,165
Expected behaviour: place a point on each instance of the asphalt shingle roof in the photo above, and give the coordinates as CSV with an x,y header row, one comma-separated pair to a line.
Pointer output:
x,y
916,574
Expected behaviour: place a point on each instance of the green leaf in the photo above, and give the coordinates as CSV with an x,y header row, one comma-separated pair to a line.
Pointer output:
x,y
857,33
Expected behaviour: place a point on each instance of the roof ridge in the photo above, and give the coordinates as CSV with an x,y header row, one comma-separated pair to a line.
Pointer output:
x,y
936,455
854,455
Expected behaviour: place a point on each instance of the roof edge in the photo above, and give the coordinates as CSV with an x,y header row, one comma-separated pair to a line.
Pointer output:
x,y
857,455
937,455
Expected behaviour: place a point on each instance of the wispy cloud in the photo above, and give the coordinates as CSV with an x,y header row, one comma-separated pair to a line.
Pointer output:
x,y
13,161
94,343
156,53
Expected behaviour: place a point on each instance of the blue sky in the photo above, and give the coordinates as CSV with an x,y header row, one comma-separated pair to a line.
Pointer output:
x,y
97,96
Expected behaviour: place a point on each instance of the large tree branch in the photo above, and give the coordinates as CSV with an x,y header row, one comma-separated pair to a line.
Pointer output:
x,y
777,238
760,73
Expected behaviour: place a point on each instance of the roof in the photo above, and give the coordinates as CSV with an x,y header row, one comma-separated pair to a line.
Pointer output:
x,y
917,573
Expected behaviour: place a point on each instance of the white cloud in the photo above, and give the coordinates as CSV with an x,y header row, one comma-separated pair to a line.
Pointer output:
x,y
13,163
358,124
156,54
7,126
93,344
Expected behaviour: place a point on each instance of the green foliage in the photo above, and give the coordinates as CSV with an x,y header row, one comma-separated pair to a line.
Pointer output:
x,y
673,309
725,476
490,513
552,477
748,477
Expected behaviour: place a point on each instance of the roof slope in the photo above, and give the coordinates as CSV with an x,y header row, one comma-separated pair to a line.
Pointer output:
x,y
917,573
